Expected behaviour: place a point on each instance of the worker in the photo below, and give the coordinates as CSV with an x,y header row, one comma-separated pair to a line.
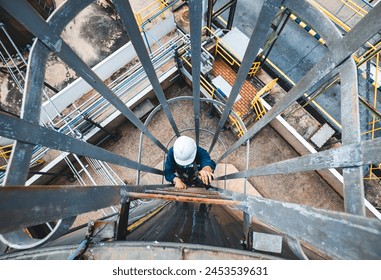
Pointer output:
x,y
188,165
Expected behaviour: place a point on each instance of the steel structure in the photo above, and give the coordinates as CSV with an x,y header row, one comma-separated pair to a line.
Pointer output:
x,y
349,235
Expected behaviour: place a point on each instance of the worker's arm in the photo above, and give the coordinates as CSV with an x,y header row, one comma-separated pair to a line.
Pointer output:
x,y
207,165
169,168
206,175
169,171
179,184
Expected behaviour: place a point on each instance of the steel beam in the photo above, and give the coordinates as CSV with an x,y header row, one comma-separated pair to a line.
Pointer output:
x,y
339,235
18,129
224,8
352,155
339,52
122,229
30,206
209,14
18,166
296,248
231,15
195,11
36,205
181,198
257,39
23,12
128,19
353,185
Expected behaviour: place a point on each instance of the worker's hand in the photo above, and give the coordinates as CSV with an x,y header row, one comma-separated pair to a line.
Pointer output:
x,y
179,184
206,175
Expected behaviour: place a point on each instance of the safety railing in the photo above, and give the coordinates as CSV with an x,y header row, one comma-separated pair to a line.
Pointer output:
x,y
368,55
228,55
5,153
375,169
236,124
205,84
210,89
257,104
360,59
150,10
354,7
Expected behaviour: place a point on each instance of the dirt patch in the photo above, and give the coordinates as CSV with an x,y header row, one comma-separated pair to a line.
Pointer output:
x,y
95,33
10,95
373,192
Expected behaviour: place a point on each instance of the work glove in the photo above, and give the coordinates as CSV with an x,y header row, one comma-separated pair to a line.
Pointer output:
x,y
206,175
179,184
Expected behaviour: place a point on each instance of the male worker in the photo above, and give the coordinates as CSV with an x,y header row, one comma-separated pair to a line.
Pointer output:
x,y
188,164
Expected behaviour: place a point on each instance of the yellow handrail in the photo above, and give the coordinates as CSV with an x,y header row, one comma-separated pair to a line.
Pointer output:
x,y
206,85
339,23
229,55
141,17
354,7
211,90
236,123
373,130
257,104
5,151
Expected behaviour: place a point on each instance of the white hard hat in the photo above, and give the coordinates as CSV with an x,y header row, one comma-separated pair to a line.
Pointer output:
x,y
184,150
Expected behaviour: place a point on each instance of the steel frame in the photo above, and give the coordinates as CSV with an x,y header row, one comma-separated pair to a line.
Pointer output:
x,y
195,12
211,15
359,236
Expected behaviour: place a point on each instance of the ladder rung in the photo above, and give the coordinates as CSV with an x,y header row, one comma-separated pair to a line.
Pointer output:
x,y
183,198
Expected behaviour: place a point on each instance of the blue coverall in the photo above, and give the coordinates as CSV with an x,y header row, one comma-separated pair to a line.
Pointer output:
x,y
187,173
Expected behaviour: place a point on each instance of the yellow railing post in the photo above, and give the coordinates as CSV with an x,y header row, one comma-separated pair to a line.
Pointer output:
x,y
257,104
138,19
254,68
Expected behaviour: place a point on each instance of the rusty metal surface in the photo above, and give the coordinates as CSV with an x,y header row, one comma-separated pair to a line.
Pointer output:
x,y
193,195
351,155
359,236
350,119
340,235
127,250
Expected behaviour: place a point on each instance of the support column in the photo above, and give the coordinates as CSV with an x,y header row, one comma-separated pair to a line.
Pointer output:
x,y
124,214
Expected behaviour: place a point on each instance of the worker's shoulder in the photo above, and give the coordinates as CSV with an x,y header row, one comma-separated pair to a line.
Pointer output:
x,y
170,151
200,149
